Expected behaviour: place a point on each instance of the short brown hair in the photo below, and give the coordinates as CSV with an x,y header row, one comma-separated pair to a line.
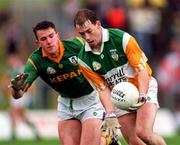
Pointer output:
x,y
43,25
83,15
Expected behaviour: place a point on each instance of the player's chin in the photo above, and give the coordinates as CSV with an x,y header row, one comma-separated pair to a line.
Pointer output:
x,y
52,50
92,43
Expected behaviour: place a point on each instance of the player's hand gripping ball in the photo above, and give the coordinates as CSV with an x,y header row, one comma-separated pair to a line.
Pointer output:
x,y
125,95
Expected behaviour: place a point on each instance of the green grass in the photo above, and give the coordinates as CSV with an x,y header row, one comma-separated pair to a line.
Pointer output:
x,y
173,140
170,141
31,142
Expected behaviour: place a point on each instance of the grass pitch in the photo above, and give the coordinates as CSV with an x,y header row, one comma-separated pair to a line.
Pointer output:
x,y
170,141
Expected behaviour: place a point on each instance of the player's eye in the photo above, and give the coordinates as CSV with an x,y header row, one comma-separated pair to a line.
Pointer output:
x,y
43,38
51,35
89,31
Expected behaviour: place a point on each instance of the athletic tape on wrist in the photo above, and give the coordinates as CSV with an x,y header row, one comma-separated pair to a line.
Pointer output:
x,y
109,115
142,95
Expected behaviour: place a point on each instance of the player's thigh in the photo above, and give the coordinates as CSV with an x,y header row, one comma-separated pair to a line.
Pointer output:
x,y
91,132
146,116
128,125
69,132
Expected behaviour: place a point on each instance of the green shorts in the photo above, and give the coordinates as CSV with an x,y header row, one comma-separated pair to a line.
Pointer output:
x,y
85,107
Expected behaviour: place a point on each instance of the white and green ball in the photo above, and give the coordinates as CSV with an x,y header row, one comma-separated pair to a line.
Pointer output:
x,y
124,95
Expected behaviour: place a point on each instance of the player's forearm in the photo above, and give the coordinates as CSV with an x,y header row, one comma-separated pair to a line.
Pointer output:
x,y
105,97
143,81
17,94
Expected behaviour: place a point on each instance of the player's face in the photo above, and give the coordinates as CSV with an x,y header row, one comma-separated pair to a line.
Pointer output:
x,y
48,39
90,32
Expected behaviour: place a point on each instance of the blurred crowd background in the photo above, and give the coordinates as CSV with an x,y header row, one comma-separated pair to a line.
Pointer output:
x,y
154,23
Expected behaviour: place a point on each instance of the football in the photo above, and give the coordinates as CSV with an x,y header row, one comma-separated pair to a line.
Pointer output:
x,y
124,95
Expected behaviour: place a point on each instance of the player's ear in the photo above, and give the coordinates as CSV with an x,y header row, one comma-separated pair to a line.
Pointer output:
x,y
98,23
37,43
58,34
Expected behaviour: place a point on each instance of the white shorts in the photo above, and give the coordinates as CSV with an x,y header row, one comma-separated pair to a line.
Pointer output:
x,y
151,96
85,107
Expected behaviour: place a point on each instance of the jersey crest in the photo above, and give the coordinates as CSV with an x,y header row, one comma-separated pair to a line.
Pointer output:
x,y
50,70
73,60
114,54
96,65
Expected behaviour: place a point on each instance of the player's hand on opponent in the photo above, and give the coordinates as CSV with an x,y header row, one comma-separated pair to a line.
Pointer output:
x,y
141,102
110,125
18,82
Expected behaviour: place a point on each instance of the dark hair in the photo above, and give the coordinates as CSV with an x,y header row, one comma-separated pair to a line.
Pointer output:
x,y
43,25
83,15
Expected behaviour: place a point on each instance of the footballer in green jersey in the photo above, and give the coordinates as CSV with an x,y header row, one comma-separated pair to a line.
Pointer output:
x,y
111,56
63,75
79,108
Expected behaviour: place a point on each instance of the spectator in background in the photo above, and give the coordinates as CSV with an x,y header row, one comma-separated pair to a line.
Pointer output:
x,y
100,7
115,16
168,75
144,23
174,5
17,109
93,5
3,17
14,37
175,24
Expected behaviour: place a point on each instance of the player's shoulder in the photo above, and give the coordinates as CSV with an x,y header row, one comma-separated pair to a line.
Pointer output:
x,y
34,58
83,55
73,42
73,45
36,54
116,32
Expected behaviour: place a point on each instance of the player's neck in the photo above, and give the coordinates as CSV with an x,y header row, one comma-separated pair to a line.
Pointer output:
x,y
55,54
97,48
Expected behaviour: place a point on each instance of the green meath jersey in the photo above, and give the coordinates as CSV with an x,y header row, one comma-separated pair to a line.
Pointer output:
x,y
118,60
65,77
